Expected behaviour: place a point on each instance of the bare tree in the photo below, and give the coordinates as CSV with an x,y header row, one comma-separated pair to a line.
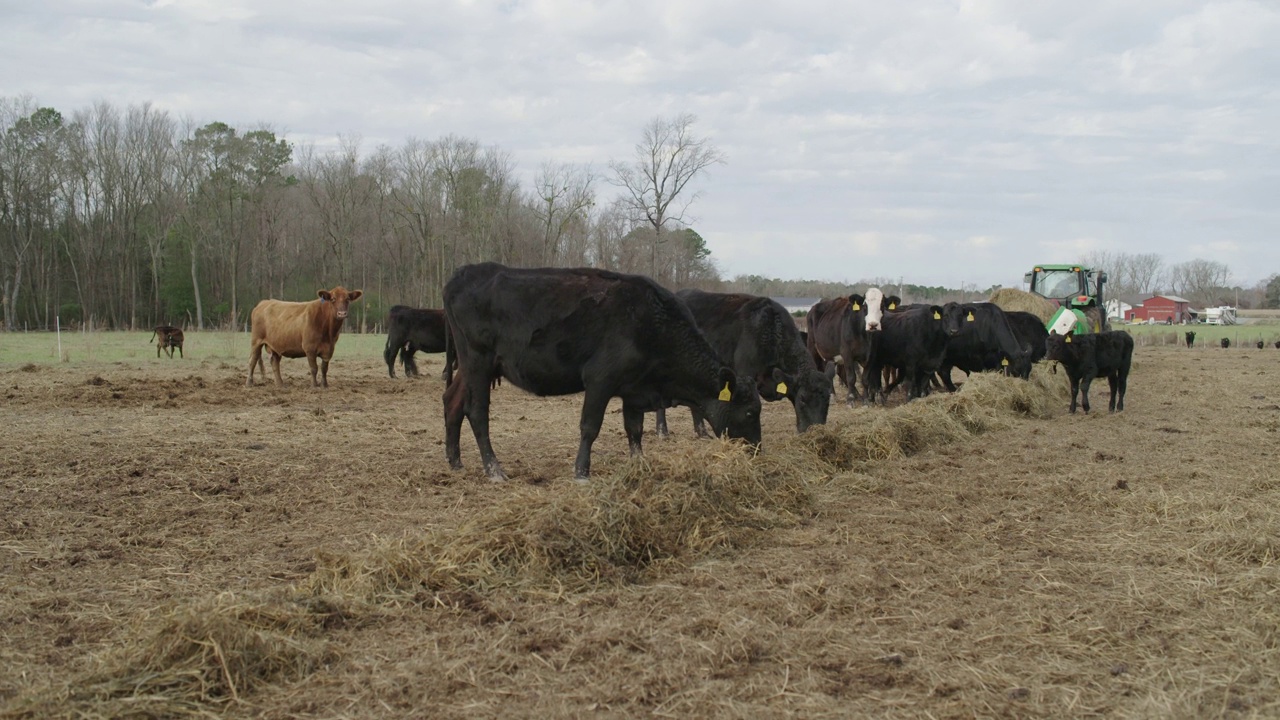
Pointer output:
x,y
1200,281
564,195
655,183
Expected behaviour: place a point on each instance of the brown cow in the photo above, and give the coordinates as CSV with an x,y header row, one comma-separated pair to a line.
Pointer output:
x,y
170,338
299,329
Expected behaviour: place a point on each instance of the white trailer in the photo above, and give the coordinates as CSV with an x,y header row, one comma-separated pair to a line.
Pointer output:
x,y
1222,315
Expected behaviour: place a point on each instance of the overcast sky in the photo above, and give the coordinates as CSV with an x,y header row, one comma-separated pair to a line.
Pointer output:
x,y
945,142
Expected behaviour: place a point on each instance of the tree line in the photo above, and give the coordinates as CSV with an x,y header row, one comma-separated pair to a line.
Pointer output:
x,y
128,217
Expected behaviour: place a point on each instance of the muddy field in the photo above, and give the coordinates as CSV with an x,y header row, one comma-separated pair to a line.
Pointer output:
x,y
176,543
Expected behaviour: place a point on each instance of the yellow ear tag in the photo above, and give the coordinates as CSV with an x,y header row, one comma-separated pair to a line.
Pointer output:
x,y
893,306
1004,362
782,388
936,315
1068,339
725,395
970,318
856,307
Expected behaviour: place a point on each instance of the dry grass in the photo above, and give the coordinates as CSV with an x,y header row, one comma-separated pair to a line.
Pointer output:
x,y
180,545
1015,300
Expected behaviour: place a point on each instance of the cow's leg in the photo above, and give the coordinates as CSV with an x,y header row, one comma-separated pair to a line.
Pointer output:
x,y
455,408
389,356
159,347
1075,389
660,422
594,403
699,423
315,369
1122,384
851,372
633,423
410,365
324,371
944,374
275,365
180,354
477,410
255,358
1085,382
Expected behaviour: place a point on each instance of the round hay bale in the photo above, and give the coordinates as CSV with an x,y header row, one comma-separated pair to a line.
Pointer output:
x,y
1013,299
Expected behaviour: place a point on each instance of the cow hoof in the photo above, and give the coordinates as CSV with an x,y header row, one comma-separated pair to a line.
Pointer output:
x,y
581,479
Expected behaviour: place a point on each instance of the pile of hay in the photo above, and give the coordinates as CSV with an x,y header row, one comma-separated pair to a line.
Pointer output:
x,y
1013,299
677,506
193,660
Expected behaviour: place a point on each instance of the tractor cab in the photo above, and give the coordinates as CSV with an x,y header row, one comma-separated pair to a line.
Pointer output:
x,y
1076,290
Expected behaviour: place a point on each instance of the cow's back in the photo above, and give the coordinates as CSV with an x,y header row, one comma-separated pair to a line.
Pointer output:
x,y
546,325
281,324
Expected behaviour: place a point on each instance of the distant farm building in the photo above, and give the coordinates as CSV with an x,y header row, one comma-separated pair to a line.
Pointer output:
x,y
1161,309
1117,310
796,305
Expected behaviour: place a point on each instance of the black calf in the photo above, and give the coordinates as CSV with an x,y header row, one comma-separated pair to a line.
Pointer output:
x,y
1085,357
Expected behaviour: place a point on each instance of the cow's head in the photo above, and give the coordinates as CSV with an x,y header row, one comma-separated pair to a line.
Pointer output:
x,y
341,299
1057,346
957,318
809,391
735,412
868,309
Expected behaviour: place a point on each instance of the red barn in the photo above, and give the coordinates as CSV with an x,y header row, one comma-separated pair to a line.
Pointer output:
x,y
1162,309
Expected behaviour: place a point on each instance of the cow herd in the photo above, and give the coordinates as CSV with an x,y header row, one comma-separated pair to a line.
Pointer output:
x,y
563,331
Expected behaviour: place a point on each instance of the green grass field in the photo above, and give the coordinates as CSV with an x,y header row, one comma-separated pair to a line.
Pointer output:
x,y
21,348
1267,330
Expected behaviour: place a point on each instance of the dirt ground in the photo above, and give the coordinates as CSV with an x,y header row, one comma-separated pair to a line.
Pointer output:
x,y
1070,566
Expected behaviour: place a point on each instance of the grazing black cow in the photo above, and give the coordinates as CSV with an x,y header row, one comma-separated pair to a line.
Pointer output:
x,y
171,338
1031,333
1278,344
840,331
410,330
981,339
759,338
1191,338
1261,344
914,341
558,331
1085,357
1225,343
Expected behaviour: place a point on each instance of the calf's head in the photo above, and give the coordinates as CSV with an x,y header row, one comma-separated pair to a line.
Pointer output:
x,y
341,299
809,391
1058,347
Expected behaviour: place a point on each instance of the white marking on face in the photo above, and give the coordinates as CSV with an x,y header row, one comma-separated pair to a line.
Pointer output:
x,y
874,299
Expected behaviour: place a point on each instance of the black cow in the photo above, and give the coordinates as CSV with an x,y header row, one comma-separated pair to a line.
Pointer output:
x,y
1278,344
1085,357
1031,333
981,339
1225,342
759,338
1191,338
1261,344
914,341
558,331
410,330
171,338
840,331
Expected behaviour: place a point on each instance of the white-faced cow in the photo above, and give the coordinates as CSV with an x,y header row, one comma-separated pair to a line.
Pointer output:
x,y
558,331
840,330
759,338
299,329
410,330
1085,357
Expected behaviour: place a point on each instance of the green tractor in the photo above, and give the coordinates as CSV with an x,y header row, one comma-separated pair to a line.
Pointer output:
x,y
1077,291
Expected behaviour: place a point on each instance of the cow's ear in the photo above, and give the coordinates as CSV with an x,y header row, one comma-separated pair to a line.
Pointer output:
x,y
324,295
855,301
937,312
780,378
728,381
355,295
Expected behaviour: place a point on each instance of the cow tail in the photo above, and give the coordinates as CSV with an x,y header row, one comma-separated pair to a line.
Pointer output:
x,y
450,352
